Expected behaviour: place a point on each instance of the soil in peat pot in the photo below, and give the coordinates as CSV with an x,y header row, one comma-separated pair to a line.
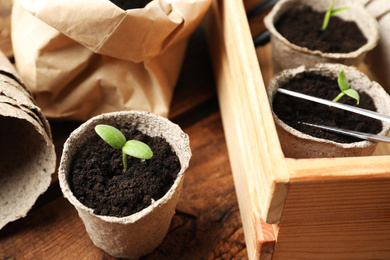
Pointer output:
x,y
130,4
292,110
97,179
302,26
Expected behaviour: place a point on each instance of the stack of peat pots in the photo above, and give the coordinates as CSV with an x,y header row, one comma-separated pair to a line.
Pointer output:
x,y
27,154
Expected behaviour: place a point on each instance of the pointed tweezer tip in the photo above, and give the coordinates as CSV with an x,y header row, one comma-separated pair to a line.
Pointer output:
x,y
370,137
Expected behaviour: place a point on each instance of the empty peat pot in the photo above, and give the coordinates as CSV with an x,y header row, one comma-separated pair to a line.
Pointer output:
x,y
288,55
140,233
296,144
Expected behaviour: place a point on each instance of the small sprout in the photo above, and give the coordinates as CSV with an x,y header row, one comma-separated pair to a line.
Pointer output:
x,y
329,13
344,87
117,140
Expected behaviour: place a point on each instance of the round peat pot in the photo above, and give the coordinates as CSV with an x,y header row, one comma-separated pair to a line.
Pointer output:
x,y
288,55
140,233
296,144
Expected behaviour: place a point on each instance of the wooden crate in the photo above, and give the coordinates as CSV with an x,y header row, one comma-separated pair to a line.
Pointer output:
x,y
326,208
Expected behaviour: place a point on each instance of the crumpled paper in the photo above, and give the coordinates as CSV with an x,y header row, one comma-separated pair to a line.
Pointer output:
x,y
84,58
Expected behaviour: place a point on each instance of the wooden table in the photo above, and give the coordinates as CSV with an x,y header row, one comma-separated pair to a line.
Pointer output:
x,y
207,223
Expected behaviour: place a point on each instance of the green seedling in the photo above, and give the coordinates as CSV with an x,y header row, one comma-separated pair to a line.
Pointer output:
x,y
329,13
344,87
117,140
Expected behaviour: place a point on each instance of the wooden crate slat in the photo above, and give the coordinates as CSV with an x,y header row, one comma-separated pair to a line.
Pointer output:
x,y
366,167
336,219
260,147
259,235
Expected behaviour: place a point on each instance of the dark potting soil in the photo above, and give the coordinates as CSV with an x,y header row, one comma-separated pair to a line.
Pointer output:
x,y
97,179
302,26
293,110
130,4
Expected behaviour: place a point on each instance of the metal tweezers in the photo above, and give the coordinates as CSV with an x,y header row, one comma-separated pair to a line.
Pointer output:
x,y
365,112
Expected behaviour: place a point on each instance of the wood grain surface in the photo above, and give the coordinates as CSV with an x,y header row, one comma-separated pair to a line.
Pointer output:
x,y
207,223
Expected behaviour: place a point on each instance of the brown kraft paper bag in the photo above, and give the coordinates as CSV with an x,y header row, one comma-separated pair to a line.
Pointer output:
x,y
84,58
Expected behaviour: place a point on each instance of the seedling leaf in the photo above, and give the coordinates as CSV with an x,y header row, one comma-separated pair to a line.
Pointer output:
x,y
333,12
353,94
137,149
342,81
111,135
329,13
344,87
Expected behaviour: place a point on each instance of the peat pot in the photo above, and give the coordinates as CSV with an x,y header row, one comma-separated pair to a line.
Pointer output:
x,y
297,144
288,55
140,233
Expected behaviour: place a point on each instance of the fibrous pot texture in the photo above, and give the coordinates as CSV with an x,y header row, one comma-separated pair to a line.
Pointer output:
x,y
27,160
27,154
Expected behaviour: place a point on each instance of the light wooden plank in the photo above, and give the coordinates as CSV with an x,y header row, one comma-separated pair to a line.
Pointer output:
x,y
365,167
221,69
258,234
336,219
260,147
336,208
